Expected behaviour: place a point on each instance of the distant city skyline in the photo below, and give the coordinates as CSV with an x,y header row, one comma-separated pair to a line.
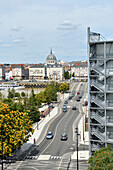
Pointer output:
x,y
29,28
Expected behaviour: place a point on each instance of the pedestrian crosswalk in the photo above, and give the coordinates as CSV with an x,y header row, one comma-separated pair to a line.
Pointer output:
x,y
55,157
32,157
44,157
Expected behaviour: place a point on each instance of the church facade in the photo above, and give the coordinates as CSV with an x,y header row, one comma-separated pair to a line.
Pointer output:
x,y
51,70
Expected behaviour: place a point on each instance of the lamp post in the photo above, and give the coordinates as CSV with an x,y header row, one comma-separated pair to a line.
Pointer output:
x,y
76,131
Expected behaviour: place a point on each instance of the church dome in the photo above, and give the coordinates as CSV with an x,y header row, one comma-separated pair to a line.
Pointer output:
x,y
51,58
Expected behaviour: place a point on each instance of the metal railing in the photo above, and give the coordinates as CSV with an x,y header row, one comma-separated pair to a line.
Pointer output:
x,y
97,85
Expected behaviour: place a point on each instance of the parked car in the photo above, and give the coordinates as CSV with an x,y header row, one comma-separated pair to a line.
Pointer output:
x,y
66,102
49,135
78,93
64,136
73,108
80,97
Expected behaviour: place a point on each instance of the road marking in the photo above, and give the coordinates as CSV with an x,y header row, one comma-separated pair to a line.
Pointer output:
x,y
56,157
31,157
44,157
55,133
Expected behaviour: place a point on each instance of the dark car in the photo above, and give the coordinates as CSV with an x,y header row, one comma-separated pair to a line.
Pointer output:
x,y
64,109
64,136
78,99
49,135
70,97
66,102
73,108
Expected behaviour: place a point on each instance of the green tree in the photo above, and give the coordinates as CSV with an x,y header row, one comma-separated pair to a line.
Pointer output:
x,y
1,96
32,106
50,93
23,94
102,159
11,93
40,98
66,75
73,75
64,87
17,94
14,129
8,101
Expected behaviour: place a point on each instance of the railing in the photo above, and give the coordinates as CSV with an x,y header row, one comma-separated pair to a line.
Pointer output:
x,y
98,118
97,101
97,85
95,147
98,134
98,69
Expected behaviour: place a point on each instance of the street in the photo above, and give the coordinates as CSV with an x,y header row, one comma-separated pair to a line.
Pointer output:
x,y
54,153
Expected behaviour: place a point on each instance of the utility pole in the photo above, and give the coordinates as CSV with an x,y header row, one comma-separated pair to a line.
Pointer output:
x,y
76,131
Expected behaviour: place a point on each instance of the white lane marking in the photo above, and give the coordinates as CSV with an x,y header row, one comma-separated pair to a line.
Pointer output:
x,y
54,134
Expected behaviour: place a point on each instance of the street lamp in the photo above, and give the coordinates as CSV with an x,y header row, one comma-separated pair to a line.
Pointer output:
x,y
76,131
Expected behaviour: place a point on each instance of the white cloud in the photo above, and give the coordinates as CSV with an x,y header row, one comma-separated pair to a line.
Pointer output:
x,y
17,41
16,29
6,45
67,25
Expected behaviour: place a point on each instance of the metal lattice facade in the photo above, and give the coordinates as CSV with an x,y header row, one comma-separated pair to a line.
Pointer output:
x,y
100,91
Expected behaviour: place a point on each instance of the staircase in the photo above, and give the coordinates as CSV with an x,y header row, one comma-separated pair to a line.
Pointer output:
x,y
98,118
99,135
98,102
98,85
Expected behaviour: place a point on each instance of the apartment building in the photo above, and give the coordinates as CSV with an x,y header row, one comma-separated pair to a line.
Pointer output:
x,y
55,72
2,72
80,71
100,91
36,72
18,71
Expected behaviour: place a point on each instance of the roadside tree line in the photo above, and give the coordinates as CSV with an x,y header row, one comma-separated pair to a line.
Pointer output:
x,y
18,112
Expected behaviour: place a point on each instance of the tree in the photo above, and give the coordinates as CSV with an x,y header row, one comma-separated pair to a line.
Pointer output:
x,y
64,87
32,106
23,94
40,98
102,159
73,75
66,75
50,93
14,129
17,94
11,93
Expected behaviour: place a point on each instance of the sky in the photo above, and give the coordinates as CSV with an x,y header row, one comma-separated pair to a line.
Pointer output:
x,y
29,28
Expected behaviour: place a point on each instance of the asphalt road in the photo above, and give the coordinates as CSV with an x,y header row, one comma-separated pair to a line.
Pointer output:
x,y
49,153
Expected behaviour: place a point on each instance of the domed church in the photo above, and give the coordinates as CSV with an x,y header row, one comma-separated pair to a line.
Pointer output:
x,y
54,71
51,58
